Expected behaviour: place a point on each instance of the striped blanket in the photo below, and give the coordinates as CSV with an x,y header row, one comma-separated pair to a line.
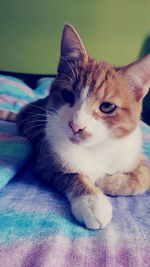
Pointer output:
x,y
14,150
37,228
14,94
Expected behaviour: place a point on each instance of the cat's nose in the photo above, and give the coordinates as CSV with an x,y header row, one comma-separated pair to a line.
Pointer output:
x,y
75,128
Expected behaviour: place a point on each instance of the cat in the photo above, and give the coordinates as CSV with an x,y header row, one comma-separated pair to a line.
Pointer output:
x,y
86,132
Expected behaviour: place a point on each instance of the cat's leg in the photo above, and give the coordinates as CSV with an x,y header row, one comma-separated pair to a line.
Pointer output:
x,y
88,204
127,184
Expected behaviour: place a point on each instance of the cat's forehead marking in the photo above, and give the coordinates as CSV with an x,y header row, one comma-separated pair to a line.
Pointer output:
x,y
85,92
94,74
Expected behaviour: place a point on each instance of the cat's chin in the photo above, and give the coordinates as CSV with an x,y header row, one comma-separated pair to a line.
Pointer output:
x,y
77,141
80,142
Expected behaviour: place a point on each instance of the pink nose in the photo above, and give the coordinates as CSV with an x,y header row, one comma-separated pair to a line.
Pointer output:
x,y
74,127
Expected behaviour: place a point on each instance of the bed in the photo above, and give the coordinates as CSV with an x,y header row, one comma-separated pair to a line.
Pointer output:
x,y
36,225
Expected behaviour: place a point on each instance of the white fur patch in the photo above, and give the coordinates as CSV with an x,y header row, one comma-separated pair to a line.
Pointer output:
x,y
95,160
84,94
94,211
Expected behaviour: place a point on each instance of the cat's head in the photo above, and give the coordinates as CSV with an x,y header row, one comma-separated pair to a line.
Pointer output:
x,y
93,100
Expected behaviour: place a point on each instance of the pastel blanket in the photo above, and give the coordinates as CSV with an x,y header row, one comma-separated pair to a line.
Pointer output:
x,y
36,226
38,230
14,150
14,94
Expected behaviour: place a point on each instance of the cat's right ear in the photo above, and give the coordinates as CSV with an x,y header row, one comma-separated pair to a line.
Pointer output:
x,y
72,47
137,76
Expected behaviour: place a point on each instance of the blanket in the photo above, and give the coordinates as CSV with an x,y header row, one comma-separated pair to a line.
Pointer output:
x,y
14,149
14,94
38,229
14,152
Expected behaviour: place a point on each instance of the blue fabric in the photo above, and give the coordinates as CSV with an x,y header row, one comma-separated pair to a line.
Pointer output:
x,y
14,94
14,150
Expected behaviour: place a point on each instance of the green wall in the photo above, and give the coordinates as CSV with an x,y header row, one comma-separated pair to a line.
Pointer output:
x,y
30,31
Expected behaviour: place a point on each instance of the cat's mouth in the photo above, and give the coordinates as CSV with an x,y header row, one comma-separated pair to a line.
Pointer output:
x,y
80,137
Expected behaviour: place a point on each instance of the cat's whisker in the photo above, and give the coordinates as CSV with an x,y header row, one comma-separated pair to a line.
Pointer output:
x,y
35,121
30,138
64,82
52,115
24,121
31,117
75,69
51,110
41,144
67,77
49,115
69,64
46,110
34,113
34,127
38,132
33,105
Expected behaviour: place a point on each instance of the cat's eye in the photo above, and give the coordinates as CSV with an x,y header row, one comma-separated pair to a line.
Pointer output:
x,y
68,96
107,107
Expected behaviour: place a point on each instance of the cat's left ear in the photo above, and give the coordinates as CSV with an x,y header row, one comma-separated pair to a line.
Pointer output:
x,y
72,50
137,76
71,44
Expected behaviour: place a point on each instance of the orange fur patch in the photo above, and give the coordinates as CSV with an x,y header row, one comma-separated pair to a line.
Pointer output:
x,y
125,184
106,84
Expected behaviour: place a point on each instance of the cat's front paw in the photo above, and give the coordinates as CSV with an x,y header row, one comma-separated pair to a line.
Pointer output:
x,y
94,211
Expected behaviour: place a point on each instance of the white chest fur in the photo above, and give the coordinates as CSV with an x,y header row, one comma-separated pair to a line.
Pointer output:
x,y
115,155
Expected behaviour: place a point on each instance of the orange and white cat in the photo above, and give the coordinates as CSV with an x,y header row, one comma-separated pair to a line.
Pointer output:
x,y
86,133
